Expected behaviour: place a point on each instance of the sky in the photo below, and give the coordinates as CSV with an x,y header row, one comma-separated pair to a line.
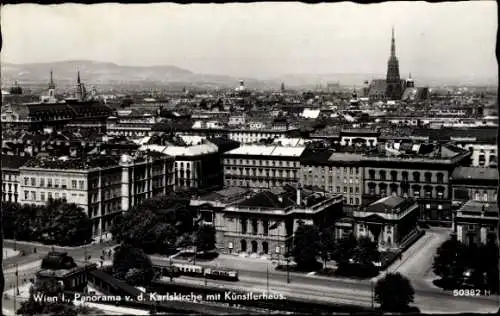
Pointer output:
x,y
261,40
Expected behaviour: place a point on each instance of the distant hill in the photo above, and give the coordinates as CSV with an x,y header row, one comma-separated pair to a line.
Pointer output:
x,y
105,74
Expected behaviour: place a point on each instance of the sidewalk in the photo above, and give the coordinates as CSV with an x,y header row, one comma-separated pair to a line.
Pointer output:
x,y
9,253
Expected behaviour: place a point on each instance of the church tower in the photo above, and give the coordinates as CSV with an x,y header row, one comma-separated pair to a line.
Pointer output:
x,y
52,87
80,89
393,82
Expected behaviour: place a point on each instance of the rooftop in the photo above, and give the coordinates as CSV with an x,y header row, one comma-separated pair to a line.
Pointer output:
x,y
268,150
475,173
175,151
13,162
390,204
478,208
67,163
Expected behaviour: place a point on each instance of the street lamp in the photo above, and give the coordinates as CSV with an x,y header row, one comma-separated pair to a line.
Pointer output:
x,y
287,269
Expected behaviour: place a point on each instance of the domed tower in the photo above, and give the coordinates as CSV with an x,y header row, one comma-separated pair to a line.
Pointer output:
x,y
409,82
393,81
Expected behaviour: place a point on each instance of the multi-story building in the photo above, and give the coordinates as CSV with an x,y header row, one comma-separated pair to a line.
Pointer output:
x,y
254,135
196,167
131,125
334,172
265,223
476,222
474,183
262,166
102,186
389,221
421,172
10,177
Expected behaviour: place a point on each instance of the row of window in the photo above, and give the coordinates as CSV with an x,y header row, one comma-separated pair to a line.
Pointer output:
x,y
316,179
32,196
50,182
354,170
9,177
255,226
258,162
428,178
7,187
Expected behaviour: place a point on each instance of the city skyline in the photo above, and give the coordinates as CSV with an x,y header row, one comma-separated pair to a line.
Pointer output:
x,y
224,39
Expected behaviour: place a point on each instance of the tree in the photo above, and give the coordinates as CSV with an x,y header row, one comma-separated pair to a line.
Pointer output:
x,y
306,246
449,261
46,288
394,293
366,251
344,251
132,264
328,244
205,238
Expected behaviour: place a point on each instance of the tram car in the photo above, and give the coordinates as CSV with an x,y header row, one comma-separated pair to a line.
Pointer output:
x,y
209,273
167,271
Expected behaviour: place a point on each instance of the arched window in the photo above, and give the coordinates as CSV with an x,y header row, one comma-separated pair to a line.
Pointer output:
x,y
416,176
440,178
394,175
428,177
404,175
254,246
265,247
371,174
383,188
382,175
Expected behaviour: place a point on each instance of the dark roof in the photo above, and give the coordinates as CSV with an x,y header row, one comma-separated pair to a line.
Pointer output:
x,y
445,134
224,144
13,162
57,261
475,173
267,199
315,156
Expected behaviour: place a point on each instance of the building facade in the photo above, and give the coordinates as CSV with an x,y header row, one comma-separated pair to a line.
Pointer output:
x,y
103,187
339,173
264,224
389,221
424,177
476,222
474,183
261,166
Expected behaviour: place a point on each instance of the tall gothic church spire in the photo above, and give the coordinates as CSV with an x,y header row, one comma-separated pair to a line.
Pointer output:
x,y
51,83
393,81
393,44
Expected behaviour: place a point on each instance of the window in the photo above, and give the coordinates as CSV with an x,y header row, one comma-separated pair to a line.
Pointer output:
x,y
255,227
243,226
371,174
26,195
338,189
42,182
404,175
56,183
63,183
42,196
357,190
428,177
49,195
427,206
345,189
440,178
33,195
265,224
357,201
350,190
33,182
49,183
350,201
73,184
26,181
394,175
57,195
81,184
382,175
416,176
